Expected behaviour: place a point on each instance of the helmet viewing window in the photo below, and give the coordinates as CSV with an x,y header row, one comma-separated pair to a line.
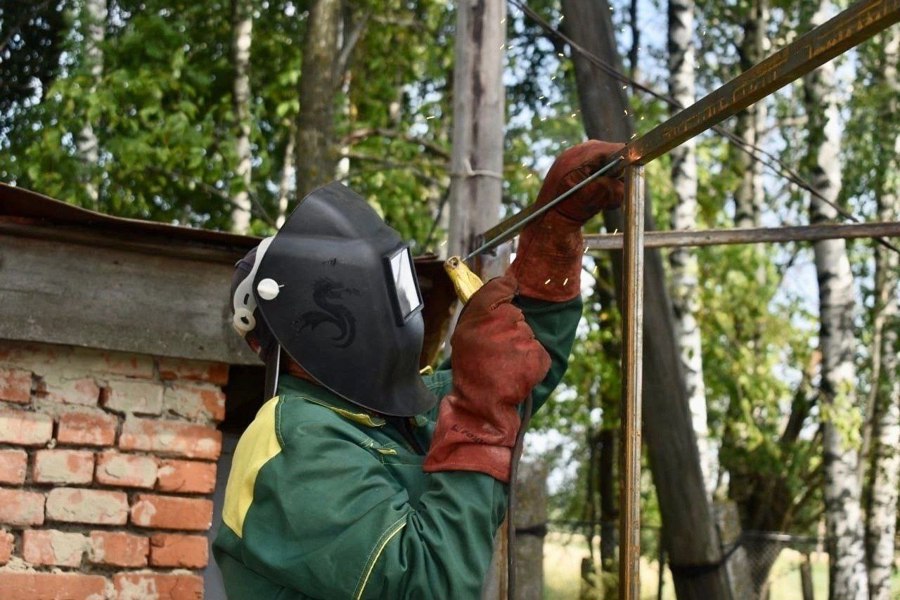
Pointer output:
x,y
407,298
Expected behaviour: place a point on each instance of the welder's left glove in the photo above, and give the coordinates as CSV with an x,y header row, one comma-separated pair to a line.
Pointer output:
x,y
548,258
496,363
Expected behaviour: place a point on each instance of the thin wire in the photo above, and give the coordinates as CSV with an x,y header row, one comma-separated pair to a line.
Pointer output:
x,y
754,151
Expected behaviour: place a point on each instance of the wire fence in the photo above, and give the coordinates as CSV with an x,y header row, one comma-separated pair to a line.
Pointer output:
x,y
762,565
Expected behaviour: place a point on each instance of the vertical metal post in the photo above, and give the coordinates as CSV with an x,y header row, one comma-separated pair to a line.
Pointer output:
x,y
632,366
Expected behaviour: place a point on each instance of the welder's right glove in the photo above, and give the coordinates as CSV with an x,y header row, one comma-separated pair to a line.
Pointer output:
x,y
548,259
496,363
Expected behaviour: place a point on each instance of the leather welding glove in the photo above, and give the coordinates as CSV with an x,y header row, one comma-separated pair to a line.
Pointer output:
x,y
548,258
496,363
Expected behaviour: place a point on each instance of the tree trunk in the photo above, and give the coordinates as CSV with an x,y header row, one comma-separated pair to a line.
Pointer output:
x,y
478,116
837,341
242,36
748,198
689,532
881,523
531,526
683,261
93,19
284,185
477,159
315,150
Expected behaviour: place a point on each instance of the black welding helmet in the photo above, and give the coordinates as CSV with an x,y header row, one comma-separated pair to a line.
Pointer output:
x,y
338,290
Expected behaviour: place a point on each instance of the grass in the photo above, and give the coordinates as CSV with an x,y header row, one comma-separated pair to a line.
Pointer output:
x,y
563,554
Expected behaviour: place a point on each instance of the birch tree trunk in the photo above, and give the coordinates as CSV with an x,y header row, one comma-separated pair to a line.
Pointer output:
x,y
93,18
684,268
881,526
478,116
287,176
242,36
837,388
315,149
689,529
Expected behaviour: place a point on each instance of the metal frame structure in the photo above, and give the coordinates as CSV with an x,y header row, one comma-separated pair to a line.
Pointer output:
x,y
846,30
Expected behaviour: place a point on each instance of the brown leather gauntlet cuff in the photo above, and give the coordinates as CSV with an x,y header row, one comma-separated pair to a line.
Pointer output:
x,y
548,260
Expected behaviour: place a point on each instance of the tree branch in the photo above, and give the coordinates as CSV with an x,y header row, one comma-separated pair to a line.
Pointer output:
x,y
359,135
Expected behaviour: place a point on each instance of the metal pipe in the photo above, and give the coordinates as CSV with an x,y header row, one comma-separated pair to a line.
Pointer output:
x,y
761,235
632,367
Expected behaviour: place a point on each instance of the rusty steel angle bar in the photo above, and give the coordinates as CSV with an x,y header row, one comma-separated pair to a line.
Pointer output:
x,y
844,31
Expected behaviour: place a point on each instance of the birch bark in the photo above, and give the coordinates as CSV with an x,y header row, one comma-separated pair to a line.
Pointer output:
x,y
684,269
242,37
881,526
93,18
838,379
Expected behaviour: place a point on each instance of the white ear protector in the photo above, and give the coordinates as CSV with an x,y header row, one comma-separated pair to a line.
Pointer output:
x,y
244,303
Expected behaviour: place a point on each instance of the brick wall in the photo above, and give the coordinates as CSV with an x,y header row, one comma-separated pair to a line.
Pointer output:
x,y
107,469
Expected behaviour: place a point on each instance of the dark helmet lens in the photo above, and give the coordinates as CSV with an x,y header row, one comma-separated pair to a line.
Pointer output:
x,y
407,297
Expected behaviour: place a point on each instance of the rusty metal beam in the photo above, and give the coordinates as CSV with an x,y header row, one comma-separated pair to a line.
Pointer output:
x,y
632,364
816,47
762,235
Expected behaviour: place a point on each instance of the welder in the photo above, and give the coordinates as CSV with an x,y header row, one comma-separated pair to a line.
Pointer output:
x,y
361,477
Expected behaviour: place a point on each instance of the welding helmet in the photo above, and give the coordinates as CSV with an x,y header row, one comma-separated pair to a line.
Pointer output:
x,y
337,290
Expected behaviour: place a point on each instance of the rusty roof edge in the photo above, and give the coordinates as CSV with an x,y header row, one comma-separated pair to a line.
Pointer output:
x,y
21,203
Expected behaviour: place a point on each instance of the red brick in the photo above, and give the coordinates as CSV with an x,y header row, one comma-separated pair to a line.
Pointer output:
x,y
27,585
171,438
82,390
196,402
71,505
126,470
72,361
7,543
133,397
186,476
170,512
18,507
119,549
25,428
13,465
115,363
87,429
173,550
15,385
51,547
63,466
154,586
196,370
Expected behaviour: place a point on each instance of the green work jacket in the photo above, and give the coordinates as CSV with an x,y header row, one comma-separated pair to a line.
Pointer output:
x,y
326,500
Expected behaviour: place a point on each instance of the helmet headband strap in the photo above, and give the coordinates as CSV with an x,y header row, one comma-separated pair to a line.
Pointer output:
x,y
244,302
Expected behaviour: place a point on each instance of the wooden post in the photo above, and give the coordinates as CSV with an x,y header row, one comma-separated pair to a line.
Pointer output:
x,y
477,162
530,521
478,116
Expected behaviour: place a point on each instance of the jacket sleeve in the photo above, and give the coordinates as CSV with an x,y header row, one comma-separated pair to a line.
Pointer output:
x,y
554,325
331,520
